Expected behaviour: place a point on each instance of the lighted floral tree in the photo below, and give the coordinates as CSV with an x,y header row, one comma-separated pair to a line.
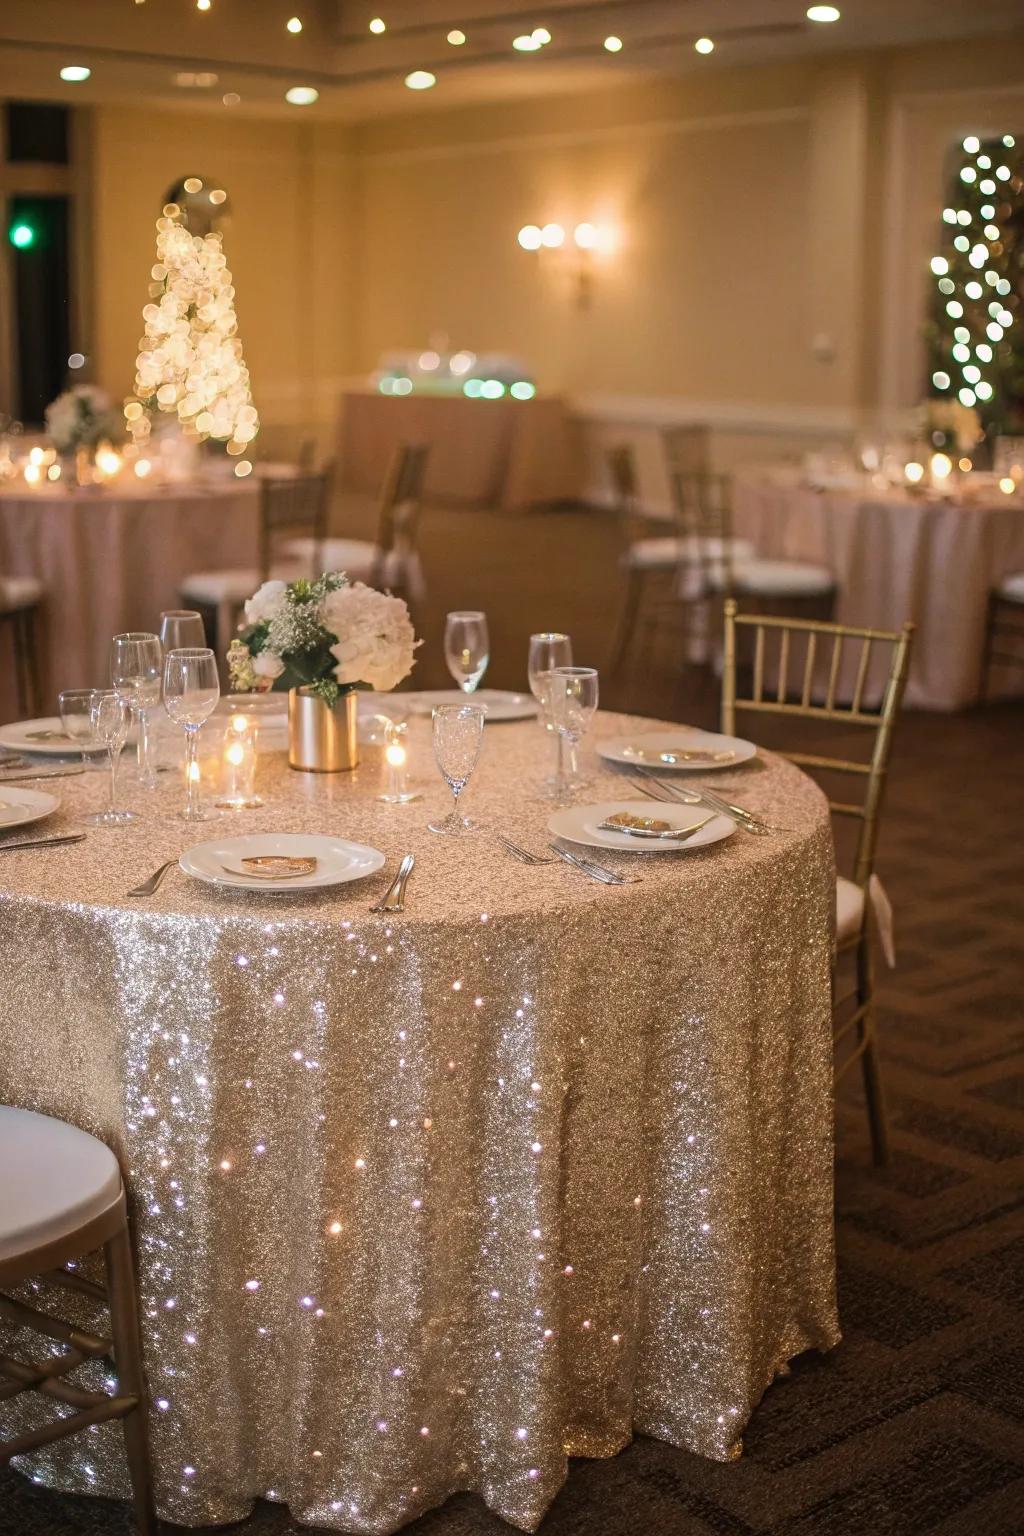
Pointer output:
x,y
975,334
190,361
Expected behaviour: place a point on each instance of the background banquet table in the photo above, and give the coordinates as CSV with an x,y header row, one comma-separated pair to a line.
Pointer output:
x,y
897,557
428,1203
111,558
483,453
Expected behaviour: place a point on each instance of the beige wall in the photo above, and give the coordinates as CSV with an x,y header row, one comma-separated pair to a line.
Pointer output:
x,y
774,230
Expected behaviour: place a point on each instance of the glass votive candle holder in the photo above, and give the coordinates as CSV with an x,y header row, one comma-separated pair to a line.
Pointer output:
x,y
396,764
238,766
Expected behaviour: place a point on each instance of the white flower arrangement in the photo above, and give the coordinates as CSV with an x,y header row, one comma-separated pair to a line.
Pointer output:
x,y
81,418
328,635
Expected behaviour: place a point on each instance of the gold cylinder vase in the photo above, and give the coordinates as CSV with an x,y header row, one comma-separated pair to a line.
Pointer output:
x,y
322,739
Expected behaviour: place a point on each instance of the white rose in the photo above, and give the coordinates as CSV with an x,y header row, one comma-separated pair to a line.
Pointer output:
x,y
265,603
266,664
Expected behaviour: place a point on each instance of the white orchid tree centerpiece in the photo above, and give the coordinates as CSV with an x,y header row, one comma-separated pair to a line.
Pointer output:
x,y
327,635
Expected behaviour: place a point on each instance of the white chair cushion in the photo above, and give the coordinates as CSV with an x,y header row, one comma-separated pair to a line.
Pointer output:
x,y
662,554
778,578
850,914
1012,587
358,559
215,587
849,908
55,1179
19,592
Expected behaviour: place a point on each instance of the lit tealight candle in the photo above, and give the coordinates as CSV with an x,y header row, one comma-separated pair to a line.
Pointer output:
x,y
36,456
53,473
142,468
239,765
1007,485
941,467
913,472
108,462
33,473
396,758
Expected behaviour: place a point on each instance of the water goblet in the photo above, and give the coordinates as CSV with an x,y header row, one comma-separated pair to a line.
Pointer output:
x,y
466,648
573,692
458,735
547,651
181,629
191,691
111,717
75,706
136,669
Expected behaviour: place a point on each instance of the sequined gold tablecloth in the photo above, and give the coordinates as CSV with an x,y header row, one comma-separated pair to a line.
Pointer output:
x,y
429,1203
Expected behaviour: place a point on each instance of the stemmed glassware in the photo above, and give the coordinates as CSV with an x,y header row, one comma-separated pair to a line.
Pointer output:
x,y
111,716
467,648
573,695
136,667
181,628
75,706
458,736
547,651
191,691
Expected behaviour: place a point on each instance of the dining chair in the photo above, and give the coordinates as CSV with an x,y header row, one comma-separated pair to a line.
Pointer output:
x,y
289,504
816,696
687,448
62,1199
1004,630
20,600
391,560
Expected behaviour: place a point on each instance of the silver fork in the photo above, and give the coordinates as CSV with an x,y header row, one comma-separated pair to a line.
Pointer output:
x,y
596,871
522,854
687,796
152,885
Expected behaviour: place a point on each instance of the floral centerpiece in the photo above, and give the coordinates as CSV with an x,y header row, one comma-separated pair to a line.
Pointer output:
x,y
321,639
81,418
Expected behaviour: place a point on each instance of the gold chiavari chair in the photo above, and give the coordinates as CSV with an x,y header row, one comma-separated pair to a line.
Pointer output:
x,y
62,1199
392,559
1004,629
687,449
289,505
817,698
648,561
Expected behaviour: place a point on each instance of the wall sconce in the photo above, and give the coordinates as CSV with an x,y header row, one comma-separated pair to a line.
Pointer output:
x,y
573,254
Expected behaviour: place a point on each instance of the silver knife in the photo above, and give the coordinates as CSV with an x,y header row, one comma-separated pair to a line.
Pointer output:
x,y
44,842
596,871
18,774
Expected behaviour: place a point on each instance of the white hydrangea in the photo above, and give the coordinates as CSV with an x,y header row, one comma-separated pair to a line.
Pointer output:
x,y
266,664
376,641
266,602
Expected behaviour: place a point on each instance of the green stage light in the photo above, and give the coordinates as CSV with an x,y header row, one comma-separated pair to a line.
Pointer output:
x,y
22,235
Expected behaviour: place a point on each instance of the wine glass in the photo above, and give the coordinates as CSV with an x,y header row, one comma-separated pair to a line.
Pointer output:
x,y
466,648
136,668
458,736
191,691
75,706
181,628
547,651
573,695
111,716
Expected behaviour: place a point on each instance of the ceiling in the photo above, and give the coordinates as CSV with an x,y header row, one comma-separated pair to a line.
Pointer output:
x,y
172,54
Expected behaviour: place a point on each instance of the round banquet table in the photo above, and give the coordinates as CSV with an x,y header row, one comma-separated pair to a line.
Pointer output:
x,y
111,558
897,556
429,1203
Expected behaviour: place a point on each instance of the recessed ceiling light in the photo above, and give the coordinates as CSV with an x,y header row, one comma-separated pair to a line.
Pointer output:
x,y
218,196
202,5
613,44
302,95
75,72
420,80
378,26
525,43
293,24
541,36
192,184
231,99
704,45
456,37
823,13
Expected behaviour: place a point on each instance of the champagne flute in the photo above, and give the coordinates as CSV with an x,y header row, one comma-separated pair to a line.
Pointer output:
x,y
547,651
111,716
466,648
181,628
136,668
458,735
191,691
573,692
75,706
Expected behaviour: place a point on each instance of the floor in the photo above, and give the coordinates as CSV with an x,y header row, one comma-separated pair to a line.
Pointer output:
x,y
914,1424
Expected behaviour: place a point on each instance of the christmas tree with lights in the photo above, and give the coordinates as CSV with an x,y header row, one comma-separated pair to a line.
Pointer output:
x,y
190,360
975,333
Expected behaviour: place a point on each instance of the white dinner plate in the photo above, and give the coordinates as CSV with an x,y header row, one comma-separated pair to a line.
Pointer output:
x,y
338,860
645,749
501,705
580,824
46,737
20,806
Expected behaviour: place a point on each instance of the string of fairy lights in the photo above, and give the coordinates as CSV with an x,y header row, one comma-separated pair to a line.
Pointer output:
x,y
975,292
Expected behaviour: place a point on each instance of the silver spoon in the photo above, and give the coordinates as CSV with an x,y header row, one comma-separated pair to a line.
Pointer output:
x,y
393,899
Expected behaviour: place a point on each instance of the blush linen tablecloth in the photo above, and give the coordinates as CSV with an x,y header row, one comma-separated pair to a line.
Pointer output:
x,y
111,559
897,557
511,454
429,1203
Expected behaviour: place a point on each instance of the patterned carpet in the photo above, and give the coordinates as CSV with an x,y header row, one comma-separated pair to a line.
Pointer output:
x,y
914,1424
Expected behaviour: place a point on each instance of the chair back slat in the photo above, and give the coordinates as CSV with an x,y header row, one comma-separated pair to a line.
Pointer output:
x,y
400,504
625,484
687,448
873,772
292,505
